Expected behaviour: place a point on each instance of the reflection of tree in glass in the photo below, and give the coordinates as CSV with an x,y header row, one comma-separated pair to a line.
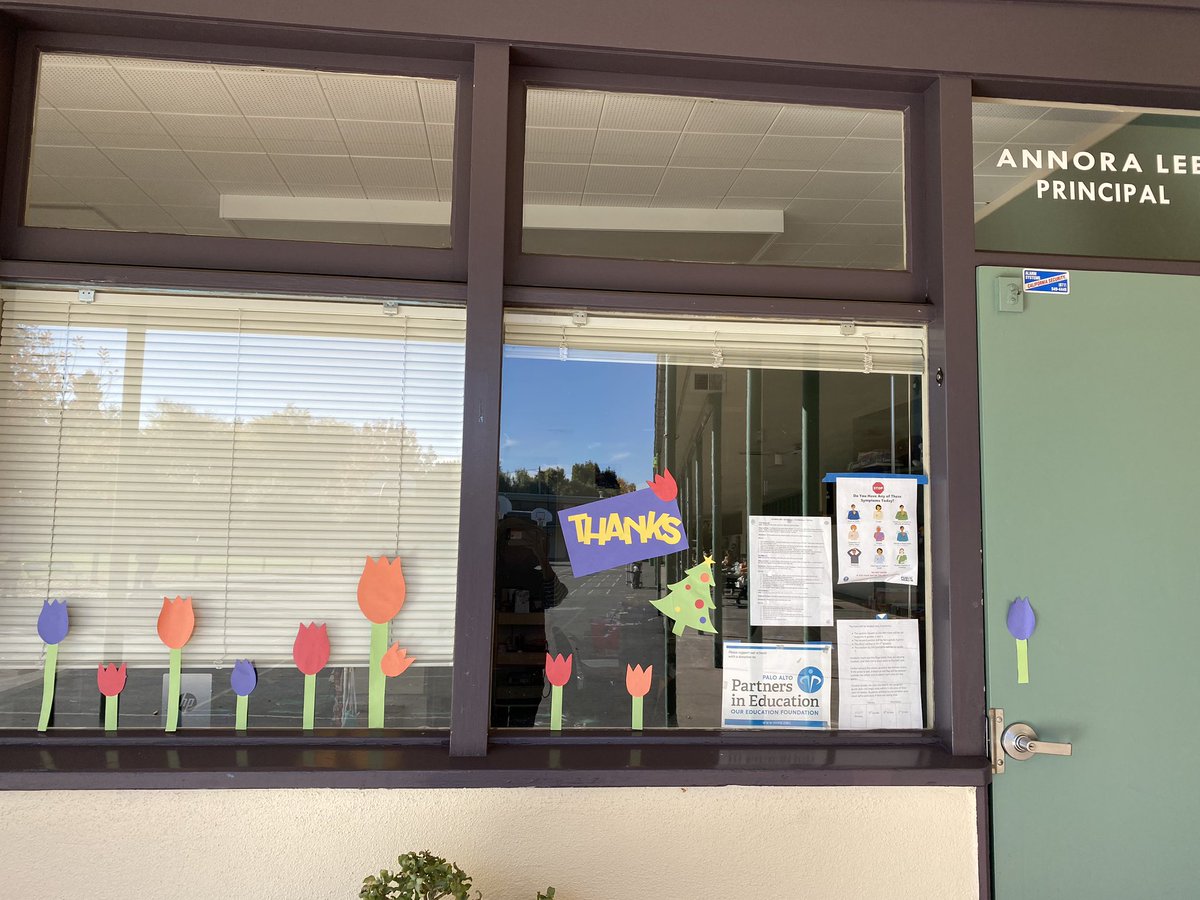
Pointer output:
x,y
587,480
48,374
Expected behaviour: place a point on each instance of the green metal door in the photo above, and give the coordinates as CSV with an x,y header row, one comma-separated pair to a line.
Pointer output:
x,y
1090,418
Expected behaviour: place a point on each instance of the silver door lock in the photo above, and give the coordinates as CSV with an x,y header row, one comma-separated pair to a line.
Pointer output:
x,y
1021,742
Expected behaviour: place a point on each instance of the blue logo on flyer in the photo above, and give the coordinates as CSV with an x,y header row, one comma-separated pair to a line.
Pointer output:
x,y
810,679
1046,281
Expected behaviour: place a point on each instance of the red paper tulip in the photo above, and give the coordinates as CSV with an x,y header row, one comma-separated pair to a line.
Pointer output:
x,y
558,670
637,680
395,661
664,486
176,621
311,650
111,679
381,589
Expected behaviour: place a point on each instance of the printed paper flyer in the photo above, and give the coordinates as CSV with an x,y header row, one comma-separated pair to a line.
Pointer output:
x,y
776,685
791,570
877,529
879,674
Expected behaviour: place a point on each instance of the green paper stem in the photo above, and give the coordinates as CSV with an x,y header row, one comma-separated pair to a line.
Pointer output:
x,y
555,707
110,713
376,680
48,669
173,676
637,713
1022,662
310,701
243,707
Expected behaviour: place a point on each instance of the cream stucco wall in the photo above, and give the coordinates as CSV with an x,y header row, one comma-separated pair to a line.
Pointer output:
x,y
591,844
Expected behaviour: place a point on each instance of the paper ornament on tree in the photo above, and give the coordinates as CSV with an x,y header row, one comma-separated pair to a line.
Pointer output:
x,y
689,602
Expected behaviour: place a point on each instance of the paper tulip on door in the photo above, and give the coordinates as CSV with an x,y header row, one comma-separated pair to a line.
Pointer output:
x,y
243,679
381,592
176,622
52,626
310,652
111,681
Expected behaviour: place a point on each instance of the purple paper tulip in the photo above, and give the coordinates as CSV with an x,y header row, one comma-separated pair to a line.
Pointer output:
x,y
243,679
1021,620
52,622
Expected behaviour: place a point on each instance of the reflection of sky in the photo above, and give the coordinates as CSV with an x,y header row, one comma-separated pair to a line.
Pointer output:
x,y
222,374
558,412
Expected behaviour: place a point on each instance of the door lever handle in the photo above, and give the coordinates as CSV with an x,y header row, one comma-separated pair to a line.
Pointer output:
x,y
1020,742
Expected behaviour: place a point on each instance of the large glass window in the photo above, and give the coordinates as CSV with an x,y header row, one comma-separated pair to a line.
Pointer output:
x,y
248,454
748,417
1086,180
646,176
171,147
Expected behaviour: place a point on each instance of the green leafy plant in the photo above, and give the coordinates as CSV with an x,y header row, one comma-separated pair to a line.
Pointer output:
x,y
423,876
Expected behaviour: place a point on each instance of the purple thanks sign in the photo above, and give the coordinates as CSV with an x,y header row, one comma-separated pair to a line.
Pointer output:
x,y
624,529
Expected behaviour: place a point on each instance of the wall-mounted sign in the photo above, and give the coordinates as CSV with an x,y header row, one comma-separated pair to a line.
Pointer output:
x,y
1046,281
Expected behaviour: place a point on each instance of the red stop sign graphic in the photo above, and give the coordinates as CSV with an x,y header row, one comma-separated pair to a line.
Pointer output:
x,y
877,487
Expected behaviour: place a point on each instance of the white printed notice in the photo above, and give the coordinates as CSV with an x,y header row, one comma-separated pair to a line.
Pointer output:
x,y
876,522
775,685
879,674
791,570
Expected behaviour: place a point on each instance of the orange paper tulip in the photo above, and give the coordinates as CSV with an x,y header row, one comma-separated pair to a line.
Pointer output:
x,y
176,621
395,661
637,680
381,589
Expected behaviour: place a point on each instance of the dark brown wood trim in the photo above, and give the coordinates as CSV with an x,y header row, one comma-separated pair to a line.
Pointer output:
x,y
481,406
952,393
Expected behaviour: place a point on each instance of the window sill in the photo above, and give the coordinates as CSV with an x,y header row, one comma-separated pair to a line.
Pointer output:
x,y
337,759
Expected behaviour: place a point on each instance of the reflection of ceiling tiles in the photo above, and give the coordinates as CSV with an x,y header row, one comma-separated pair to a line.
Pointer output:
x,y
151,145
836,173
1028,126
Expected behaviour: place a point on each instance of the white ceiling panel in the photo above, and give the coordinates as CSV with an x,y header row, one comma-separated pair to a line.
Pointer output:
x,y
733,202
197,125
730,117
380,98
722,151
785,152
441,140
861,155
886,124
552,198
196,217
555,178
44,189
319,169
389,192
159,165
891,188
784,253
141,218
385,138
187,91
1073,126
255,188
437,100
805,232
84,87
864,234
85,162
645,112
563,109
292,129
1002,121
769,183
66,217
410,173
181,193
225,144
810,212
243,167
559,145
690,201
443,173
127,141
841,185
348,191
816,121
90,120
633,148
105,190
623,179
831,255
683,183
276,92
877,212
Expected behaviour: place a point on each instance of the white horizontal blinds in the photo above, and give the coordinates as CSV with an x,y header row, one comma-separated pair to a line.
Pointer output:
x,y
824,347
249,453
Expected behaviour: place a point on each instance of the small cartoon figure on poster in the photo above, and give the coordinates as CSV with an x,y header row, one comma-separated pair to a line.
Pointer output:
x,y
854,553
852,515
902,535
901,514
878,512
879,535
879,559
853,535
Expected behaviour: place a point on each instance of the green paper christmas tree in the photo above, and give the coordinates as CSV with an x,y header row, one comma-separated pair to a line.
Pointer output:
x,y
689,602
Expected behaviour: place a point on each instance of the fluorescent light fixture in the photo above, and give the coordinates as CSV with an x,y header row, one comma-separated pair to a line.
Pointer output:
x,y
247,207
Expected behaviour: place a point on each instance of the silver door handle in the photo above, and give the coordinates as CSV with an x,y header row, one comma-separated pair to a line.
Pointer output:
x,y
1020,742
